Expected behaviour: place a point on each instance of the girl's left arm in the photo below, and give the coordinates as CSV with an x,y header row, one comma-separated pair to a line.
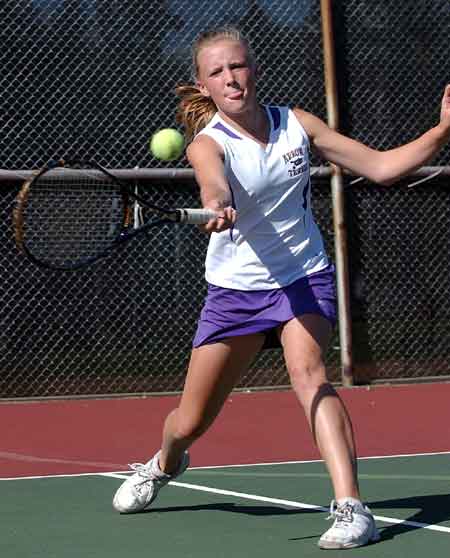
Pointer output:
x,y
384,167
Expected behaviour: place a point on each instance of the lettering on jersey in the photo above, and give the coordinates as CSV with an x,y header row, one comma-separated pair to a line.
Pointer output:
x,y
295,159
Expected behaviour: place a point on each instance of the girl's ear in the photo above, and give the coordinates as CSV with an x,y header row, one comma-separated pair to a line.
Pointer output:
x,y
203,89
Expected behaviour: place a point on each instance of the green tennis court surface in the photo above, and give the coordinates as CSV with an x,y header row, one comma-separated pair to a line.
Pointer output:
x,y
261,510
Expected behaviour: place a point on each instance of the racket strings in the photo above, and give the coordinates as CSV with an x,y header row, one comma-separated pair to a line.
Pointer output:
x,y
70,216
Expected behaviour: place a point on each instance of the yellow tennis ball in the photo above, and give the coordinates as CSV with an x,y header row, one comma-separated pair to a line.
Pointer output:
x,y
167,144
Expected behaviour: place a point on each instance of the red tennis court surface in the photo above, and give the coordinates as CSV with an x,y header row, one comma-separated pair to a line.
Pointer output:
x,y
93,435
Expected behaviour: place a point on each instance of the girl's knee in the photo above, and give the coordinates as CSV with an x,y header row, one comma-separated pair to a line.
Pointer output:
x,y
307,376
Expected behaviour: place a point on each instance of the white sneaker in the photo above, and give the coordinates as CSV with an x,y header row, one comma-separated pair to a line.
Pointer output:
x,y
353,526
139,490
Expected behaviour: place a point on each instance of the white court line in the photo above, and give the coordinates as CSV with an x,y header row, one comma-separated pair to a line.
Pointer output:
x,y
220,466
321,460
290,503
62,476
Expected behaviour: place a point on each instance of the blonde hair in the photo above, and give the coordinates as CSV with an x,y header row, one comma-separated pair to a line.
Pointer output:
x,y
194,109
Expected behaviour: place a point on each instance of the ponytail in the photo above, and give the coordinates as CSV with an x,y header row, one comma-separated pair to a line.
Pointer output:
x,y
194,110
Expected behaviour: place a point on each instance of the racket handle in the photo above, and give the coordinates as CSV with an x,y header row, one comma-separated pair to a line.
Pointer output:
x,y
195,216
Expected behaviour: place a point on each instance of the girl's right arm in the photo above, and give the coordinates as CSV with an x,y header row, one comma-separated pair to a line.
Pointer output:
x,y
206,158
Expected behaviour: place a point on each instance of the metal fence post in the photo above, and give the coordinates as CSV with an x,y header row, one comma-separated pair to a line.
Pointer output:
x,y
337,189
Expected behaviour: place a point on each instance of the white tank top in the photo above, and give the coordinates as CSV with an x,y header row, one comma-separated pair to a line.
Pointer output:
x,y
275,239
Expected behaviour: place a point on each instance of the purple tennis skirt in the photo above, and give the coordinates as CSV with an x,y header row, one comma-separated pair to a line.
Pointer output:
x,y
230,312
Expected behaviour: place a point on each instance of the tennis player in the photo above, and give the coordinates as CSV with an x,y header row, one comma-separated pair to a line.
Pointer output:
x,y
269,278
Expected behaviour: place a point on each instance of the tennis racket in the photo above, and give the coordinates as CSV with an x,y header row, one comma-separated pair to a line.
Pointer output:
x,y
71,214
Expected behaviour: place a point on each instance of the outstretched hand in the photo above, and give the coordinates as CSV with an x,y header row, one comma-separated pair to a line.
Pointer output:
x,y
224,220
445,109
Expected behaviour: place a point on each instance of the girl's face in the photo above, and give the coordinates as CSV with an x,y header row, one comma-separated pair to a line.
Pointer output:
x,y
227,74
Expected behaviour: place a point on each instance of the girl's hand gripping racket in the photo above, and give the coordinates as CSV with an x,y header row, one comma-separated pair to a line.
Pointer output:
x,y
67,217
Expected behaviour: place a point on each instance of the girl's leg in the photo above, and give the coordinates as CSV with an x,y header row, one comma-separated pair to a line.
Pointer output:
x,y
213,372
304,340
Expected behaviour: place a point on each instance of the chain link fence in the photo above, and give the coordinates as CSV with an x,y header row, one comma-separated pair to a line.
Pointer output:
x,y
95,78
393,66
400,262
392,69
123,325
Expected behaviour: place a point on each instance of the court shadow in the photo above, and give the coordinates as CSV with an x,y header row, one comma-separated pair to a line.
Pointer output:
x,y
231,507
431,510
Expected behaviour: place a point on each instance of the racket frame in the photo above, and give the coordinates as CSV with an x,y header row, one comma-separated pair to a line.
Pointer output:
x,y
192,216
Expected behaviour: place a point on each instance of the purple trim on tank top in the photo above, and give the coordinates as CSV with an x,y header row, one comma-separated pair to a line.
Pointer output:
x,y
233,205
276,117
222,128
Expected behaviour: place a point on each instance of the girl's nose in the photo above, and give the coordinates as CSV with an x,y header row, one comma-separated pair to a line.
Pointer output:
x,y
229,77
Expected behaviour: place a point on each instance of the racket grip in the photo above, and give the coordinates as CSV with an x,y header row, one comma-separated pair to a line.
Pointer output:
x,y
195,216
